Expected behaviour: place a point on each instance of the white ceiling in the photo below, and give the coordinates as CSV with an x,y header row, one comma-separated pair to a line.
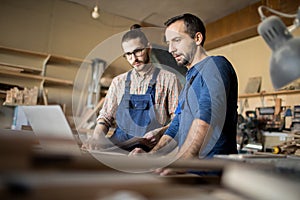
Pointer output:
x,y
156,12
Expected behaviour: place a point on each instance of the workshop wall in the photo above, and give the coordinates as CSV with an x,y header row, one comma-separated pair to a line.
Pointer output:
x,y
52,27
67,29
55,26
251,58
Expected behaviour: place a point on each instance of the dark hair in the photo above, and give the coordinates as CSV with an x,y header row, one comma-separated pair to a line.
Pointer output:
x,y
135,33
135,26
193,24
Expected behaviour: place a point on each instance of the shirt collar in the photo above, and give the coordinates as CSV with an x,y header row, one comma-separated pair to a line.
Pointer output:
x,y
196,68
148,73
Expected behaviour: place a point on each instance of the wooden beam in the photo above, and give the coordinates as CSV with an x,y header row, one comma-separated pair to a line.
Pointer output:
x,y
243,23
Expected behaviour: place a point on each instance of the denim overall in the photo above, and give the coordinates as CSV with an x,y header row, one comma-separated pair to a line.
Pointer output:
x,y
135,114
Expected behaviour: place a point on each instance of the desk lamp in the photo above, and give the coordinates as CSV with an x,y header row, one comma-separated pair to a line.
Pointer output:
x,y
285,60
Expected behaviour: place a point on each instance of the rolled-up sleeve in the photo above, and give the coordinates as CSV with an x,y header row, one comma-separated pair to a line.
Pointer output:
x,y
110,106
204,100
173,94
173,128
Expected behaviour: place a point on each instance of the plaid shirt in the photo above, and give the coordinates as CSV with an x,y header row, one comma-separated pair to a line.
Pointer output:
x,y
166,94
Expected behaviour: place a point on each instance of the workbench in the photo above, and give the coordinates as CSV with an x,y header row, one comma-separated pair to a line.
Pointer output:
x,y
29,174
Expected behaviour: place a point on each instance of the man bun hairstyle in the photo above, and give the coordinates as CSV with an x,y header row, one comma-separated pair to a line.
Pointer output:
x,y
135,32
135,26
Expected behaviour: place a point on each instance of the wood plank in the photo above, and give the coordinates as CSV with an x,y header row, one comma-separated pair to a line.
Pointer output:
x,y
39,54
11,69
24,67
24,51
90,113
43,72
37,77
281,92
59,58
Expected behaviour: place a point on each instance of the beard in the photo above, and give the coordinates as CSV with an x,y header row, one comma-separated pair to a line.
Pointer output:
x,y
142,64
147,60
183,63
188,57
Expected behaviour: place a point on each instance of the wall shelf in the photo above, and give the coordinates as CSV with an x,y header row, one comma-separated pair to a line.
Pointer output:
x,y
261,94
54,75
53,57
37,77
36,65
17,67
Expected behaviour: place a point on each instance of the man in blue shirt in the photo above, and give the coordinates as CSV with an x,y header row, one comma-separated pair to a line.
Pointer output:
x,y
206,117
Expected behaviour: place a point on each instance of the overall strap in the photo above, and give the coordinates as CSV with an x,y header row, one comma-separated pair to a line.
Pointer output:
x,y
153,80
127,83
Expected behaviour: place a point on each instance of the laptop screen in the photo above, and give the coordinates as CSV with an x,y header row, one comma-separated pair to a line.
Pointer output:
x,y
51,128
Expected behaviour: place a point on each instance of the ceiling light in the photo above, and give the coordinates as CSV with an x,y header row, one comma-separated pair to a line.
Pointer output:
x,y
95,13
285,60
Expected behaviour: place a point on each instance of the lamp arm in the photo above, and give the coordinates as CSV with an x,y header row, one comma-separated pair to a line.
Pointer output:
x,y
296,22
262,16
285,60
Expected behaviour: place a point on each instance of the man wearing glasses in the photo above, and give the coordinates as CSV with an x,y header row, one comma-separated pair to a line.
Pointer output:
x,y
206,117
140,100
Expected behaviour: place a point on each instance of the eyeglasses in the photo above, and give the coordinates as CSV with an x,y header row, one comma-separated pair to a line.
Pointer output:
x,y
136,53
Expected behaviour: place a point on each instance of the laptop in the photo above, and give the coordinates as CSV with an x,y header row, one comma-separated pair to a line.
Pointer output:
x,y
52,129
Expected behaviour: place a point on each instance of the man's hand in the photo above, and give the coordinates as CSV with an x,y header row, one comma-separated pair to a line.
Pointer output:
x,y
136,151
154,135
98,140
151,136
169,171
93,143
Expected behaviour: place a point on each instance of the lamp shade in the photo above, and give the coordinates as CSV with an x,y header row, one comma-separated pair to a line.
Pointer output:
x,y
285,63
285,60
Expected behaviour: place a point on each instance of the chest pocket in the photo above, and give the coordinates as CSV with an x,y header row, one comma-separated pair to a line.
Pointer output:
x,y
139,104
